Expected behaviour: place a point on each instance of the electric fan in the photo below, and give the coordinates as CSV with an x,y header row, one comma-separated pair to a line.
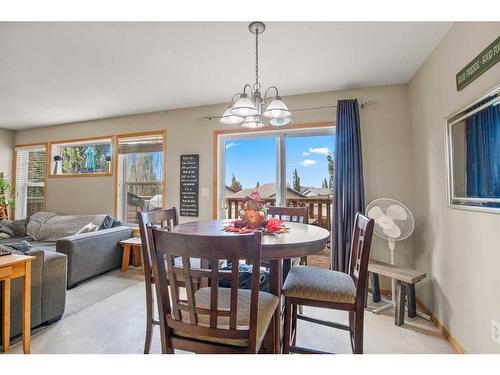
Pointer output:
x,y
393,222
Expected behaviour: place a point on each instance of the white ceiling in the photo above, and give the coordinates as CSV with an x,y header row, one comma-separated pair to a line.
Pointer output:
x,y
53,73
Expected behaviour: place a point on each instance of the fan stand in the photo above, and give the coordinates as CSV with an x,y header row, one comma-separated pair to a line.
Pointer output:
x,y
391,303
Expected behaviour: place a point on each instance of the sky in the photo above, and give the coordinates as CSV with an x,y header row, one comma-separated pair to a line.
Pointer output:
x,y
253,160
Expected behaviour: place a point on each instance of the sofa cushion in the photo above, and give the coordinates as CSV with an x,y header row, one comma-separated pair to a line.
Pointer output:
x,y
55,227
36,222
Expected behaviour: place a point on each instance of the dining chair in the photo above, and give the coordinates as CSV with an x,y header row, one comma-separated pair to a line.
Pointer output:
x,y
212,319
317,287
167,219
291,214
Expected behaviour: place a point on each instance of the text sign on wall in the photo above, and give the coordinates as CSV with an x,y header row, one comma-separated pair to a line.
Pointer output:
x,y
190,184
480,64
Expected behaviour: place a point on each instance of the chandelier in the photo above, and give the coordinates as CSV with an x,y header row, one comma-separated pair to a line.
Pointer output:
x,y
249,108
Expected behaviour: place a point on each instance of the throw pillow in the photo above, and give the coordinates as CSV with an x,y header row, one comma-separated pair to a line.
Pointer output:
x,y
19,227
88,229
7,228
107,223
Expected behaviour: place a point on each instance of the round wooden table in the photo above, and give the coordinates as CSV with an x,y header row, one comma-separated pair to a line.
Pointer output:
x,y
301,240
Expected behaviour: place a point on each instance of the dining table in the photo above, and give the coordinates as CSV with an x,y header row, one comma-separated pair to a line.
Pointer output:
x,y
278,250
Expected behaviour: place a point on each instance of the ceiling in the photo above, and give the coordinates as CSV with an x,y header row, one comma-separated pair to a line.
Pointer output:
x,y
53,73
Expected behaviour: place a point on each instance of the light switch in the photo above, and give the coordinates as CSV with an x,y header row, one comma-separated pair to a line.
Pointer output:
x,y
204,192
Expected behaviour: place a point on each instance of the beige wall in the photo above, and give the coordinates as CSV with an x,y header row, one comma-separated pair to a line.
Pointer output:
x,y
459,249
6,151
386,146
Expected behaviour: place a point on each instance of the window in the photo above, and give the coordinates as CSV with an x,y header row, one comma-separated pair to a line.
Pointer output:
x,y
30,181
88,157
473,145
286,167
140,175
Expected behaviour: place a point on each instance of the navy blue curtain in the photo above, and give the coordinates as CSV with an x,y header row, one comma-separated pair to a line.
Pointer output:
x,y
483,153
348,197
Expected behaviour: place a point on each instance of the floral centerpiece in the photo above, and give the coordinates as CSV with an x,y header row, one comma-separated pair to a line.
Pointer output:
x,y
253,216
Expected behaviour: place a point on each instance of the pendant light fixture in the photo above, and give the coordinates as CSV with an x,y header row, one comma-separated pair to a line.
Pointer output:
x,y
249,109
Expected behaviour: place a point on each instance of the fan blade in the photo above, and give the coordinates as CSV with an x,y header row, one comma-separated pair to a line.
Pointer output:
x,y
396,212
393,232
375,212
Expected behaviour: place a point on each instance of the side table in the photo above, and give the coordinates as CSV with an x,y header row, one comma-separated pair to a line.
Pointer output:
x,y
11,267
131,245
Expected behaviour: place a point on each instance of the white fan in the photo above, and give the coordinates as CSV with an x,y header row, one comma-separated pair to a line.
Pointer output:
x,y
393,222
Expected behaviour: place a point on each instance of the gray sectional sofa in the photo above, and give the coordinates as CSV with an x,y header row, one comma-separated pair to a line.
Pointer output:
x,y
62,259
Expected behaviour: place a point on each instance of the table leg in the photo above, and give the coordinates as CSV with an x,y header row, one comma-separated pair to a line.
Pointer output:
x,y
126,257
6,315
137,256
27,308
275,281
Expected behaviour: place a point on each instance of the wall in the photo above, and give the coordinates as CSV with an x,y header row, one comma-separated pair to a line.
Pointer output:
x,y
6,152
458,249
385,137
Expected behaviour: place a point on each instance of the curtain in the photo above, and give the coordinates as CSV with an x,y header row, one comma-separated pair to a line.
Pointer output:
x,y
483,153
348,196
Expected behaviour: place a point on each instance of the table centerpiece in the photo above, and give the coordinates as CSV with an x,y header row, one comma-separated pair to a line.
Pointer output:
x,y
253,216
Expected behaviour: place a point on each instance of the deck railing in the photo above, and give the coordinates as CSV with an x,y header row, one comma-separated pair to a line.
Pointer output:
x,y
319,208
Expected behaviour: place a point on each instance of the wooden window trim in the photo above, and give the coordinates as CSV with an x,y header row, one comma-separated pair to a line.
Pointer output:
x,y
76,141
117,138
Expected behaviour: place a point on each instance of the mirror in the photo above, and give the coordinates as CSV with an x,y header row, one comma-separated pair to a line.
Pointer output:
x,y
473,143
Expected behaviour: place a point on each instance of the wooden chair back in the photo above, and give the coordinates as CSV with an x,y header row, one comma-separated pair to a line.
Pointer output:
x,y
360,253
186,315
166,219
293,214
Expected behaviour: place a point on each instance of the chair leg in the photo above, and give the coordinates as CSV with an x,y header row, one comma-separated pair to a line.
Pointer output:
x,y
294,324
375,288
287,328
149,318
358,331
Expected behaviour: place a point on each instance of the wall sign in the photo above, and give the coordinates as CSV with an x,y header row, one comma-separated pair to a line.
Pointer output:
x,y
190,185
480,64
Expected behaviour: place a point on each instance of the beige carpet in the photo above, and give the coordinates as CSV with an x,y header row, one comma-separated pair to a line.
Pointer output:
x,y
107,315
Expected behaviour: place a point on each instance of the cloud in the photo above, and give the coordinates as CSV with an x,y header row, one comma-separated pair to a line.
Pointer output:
x,y
308,162
320,150
231,144
306,153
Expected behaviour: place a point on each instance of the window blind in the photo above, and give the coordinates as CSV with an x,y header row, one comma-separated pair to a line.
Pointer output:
x,y
30,180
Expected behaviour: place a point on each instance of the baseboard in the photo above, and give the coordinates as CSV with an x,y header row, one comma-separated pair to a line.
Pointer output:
x,y
452,340
448,336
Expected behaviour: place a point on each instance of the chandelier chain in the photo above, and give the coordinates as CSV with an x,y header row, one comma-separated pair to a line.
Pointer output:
x,y
257,84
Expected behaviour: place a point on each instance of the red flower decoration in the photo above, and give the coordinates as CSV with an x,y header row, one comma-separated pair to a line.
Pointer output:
x,y
274,225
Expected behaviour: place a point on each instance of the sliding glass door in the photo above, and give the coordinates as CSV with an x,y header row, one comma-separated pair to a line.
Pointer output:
x,y
287,168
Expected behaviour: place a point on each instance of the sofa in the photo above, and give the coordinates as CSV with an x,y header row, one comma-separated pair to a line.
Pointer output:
x,y
65,255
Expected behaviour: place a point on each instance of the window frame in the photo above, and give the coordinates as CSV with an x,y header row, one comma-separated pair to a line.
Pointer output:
x,y
454,201
117,137
14,171
220,136
77,141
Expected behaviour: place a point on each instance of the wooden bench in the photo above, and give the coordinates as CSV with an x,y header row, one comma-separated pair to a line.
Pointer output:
x,y
406,279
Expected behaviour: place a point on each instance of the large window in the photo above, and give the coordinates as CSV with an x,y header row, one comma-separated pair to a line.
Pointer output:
x,y
81,158
30,181
140,175
291,167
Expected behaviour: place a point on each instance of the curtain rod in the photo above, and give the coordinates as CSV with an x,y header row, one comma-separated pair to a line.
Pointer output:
x,y
365,104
